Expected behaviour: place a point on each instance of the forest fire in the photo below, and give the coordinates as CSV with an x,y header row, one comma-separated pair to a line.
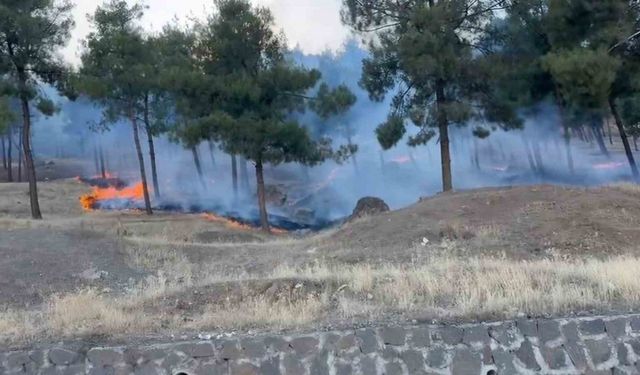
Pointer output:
x,y
92,200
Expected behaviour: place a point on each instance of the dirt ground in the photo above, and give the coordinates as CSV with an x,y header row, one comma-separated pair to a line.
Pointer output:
x,y
111,253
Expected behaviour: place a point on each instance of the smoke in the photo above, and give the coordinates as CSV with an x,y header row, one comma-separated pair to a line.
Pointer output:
x,y
302,196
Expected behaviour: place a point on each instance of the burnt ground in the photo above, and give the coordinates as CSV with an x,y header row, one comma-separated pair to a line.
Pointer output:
x,y
72,249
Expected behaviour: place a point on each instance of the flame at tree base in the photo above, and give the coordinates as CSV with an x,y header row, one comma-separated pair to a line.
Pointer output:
x,y
92,200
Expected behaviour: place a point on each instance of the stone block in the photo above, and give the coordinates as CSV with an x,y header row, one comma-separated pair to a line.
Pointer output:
x,y
548,330
420,337
504,361
528,328
450,335
292,365
304,346
599,350
277,344
368,341
320,364
592,327
436,357
576,354
392,368
270,366
101,357
623,355
230,350
368,366
570,331
526,355
392,336
253,348
616,328
414,361
346,343
476,335
244,369
466,362
197,349
555,358
505,334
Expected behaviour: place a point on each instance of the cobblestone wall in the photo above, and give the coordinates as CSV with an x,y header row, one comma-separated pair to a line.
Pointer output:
x,y
607,345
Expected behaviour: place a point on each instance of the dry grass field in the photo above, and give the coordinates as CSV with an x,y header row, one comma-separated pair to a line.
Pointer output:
x,y
486,254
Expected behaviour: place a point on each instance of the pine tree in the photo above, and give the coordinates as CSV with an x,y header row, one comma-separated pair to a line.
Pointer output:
x,y
30,33
115,68
253,90
426,52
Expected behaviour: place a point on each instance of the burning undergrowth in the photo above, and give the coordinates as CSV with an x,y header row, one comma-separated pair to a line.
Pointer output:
x,y
114,194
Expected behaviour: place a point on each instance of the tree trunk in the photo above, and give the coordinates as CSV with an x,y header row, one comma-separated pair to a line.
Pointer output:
x,y
443,127
143,174
597,129
244,175
212,149
535,145
262,200
103,169
234,175
4,153
609,131
567,145
28,155
527,150
635,142
196,161
9,156
152,149
625,140
20,156
96,159
476,154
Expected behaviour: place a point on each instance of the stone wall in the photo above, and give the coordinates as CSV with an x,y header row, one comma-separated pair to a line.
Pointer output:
x,y
604,345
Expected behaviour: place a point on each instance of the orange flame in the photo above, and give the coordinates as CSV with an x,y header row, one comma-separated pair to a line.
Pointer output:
x,y
229,223
89,201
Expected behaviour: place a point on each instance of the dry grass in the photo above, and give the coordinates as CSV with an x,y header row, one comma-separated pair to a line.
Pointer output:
x,y
445,287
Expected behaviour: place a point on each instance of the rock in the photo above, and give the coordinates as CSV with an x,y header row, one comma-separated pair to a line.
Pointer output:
x,y
368,341
62,356
392,336
616,328
592,327
368,206
475,335
466,362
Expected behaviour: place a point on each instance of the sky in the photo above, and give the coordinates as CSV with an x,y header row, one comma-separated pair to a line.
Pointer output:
x,y
313,25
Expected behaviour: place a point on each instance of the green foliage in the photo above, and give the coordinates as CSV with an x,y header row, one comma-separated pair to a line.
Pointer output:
x,y
389,133
30,33
115,65
7,116
419,47
241,91
333,102
584,76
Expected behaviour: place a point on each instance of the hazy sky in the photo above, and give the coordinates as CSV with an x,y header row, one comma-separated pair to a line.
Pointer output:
x,y
314,25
